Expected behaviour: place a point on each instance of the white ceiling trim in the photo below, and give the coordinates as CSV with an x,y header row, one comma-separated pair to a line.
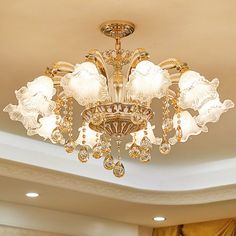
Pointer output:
x,y
81,184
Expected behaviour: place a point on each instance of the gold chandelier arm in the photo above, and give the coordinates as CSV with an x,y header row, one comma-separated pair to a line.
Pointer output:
x,y
138,55
96,57
173,63
58,70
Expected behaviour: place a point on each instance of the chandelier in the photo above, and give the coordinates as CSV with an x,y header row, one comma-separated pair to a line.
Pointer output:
x,y
118,105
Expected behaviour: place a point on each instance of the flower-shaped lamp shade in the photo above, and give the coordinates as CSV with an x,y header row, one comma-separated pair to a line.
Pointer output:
x,y
212,110
147,81
85,84
188,125
195,90
33,100
90,136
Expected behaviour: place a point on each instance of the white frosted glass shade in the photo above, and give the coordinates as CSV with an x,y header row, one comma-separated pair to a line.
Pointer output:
x,y
33,100
47,125
90,134
17,113
212,110
188,125
150,134
147,81
195,90
85,84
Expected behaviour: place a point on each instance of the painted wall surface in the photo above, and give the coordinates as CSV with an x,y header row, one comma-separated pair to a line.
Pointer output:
x,y
40,219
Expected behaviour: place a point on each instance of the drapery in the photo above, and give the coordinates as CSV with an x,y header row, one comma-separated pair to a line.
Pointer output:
x,y
226,227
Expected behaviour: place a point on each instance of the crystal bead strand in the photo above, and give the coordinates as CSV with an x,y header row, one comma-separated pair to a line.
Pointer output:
x,y
83,154
97,149
145,147
167,126
118,169
56,135
70,144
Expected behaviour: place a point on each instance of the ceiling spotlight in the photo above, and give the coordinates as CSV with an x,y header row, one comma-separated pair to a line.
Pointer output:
x,y
32,195
159,218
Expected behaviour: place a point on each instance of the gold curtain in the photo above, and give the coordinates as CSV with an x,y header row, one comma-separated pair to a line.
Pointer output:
x,y
213,228
225,227
167,231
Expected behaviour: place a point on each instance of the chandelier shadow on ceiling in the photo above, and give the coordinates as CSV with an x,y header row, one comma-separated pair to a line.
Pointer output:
x,y
118,105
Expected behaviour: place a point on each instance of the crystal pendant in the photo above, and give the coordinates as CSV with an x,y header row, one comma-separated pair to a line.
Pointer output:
x,y
64,125
118,169
145,156
69,146
167,125
164,147
145,143
83,154
137,118
97,151
134,151
105,147
108,162
97,118
57,136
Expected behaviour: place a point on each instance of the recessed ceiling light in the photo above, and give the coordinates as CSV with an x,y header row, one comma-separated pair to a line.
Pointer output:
x,y
31,194
159,218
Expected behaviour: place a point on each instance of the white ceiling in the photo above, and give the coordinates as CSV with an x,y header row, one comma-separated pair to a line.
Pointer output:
x,y
35,34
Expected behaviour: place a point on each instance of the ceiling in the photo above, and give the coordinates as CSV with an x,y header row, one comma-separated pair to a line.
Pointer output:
x,y
35,34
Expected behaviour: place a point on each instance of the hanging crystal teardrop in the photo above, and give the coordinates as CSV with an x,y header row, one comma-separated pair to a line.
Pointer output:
x,y
83,154
164,147
69,146
145,156
108,162
119,169
167,125
134,151
105,147
145,143
57,136
97,151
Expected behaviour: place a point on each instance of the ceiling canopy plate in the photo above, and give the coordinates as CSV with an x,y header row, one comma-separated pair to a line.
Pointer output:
x,y
117,29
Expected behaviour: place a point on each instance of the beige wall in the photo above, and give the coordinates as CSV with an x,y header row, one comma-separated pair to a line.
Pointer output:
x,y
12,231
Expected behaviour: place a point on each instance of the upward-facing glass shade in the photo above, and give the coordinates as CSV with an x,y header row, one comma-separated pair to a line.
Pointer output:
x,y
147,81
85,84
212,110
195,90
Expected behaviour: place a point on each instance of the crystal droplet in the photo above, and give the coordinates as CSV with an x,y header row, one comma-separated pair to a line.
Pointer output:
x,y
97,118
56,136
179,133
64,125
108,162
119,169
83,154
137,118
164,148
97,152
145,156
105,147
134,151
145,143
167,124
69,146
